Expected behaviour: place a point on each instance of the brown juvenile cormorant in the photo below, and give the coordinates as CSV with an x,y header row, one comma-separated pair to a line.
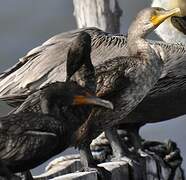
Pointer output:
x,y
126,80
27,139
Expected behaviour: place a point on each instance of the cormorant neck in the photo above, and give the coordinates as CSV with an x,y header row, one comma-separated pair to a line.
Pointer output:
x,y
137,46
85,77
136,39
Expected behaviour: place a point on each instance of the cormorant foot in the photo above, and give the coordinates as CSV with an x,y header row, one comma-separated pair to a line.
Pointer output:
x,y
128,160
168,151
102,173
26,175
143,153
173,157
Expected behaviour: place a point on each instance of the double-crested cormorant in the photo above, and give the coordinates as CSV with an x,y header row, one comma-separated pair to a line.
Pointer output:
x,y
127,79
27,139
174,29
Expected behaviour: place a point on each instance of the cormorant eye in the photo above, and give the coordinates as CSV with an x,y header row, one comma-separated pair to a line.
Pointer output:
x,y
159,9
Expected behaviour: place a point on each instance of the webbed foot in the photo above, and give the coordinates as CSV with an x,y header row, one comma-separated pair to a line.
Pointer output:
x,y
168,151
102,173
26,175
132,162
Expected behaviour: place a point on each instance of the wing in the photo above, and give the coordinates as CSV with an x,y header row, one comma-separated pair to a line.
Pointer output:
x,y
47,63
26,136
30,104
10,99
173,78
113,75
29,150
16,124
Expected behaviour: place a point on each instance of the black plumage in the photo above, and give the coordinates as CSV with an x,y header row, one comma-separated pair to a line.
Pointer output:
x,y
29,138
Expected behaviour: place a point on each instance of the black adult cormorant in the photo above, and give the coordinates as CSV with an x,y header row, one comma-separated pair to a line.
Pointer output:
x,y
27,139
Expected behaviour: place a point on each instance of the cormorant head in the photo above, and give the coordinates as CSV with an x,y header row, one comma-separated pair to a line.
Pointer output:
x,y
84,97
79,62
158,15
170,4
63,94
79,54
150,18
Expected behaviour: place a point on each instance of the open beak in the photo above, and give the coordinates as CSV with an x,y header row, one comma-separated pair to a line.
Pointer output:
x,y
163,15
92,100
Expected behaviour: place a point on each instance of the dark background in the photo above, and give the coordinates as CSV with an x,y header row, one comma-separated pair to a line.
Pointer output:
x,y
26,24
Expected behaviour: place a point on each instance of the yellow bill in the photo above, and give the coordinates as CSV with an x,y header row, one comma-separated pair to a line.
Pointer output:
x,y
160,16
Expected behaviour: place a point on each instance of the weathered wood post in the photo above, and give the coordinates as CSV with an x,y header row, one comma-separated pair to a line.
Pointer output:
x,y
104,14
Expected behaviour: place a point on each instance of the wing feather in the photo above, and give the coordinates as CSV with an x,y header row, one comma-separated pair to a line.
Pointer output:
x,y
27,135
47,63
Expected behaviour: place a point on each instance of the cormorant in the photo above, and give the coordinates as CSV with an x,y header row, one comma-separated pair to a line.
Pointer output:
x,y
47,59
174,28
126,80
27,139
